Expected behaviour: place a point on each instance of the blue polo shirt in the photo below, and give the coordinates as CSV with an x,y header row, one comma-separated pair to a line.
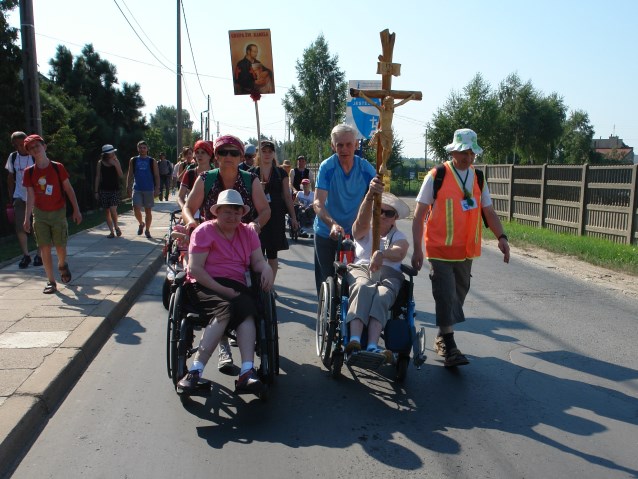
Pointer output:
x,y
345,191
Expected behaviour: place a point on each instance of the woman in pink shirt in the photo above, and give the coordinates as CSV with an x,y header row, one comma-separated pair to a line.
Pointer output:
x,y
222,252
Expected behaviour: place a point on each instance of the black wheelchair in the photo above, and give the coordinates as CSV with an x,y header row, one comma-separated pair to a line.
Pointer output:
x,y
172,252
399,335
184,320
305,218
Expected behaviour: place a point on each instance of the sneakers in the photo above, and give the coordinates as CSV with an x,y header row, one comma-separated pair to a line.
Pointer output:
x,y
455,358
353,347
190,381
37,261
225,357
439,346
24,262
249,382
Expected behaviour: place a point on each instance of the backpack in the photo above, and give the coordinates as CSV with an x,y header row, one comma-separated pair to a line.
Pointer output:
x,y
211,178
438,181
14,155
440,174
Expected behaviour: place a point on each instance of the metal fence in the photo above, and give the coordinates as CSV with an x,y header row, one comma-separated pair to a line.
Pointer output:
x,y
597,201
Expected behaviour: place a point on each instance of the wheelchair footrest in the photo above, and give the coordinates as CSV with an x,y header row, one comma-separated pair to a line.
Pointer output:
x,y
366,360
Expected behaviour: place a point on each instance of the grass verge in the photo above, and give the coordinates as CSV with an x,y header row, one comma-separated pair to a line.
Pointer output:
x,y
599,252
9,247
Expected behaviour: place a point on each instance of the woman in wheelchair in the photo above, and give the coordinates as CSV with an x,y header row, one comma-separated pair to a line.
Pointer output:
x,y
222,252
375,279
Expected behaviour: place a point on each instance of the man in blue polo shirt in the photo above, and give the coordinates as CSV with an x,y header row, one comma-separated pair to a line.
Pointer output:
x,y
342,182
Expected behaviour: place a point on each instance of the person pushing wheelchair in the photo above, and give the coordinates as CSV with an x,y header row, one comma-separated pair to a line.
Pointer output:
x,y
222,253
375,279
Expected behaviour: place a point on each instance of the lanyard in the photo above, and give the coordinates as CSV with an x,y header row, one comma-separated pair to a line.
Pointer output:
x,y
466,193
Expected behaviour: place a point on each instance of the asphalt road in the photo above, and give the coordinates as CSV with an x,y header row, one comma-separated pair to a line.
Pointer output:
x,y
550,392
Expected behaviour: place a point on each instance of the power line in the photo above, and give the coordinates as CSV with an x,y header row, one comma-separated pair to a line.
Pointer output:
x,y
190,45
138,36
140,26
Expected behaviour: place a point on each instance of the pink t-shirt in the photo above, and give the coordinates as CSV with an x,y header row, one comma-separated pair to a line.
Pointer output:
x,y
226,258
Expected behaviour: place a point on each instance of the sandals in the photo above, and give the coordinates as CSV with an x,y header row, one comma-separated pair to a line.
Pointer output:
x,y
140,229
65,273
111,235
50,288
118,231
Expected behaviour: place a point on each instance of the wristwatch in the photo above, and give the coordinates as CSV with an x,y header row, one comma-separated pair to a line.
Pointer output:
x,y
503,236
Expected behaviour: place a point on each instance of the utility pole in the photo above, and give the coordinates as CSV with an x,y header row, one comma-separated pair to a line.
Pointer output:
x,y
179,79
426,149
32,112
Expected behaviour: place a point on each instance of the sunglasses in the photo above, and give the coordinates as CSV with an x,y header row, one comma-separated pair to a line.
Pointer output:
x,y
388,213
233,153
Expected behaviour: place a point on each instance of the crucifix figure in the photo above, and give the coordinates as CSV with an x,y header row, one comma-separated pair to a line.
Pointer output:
x,y
383,136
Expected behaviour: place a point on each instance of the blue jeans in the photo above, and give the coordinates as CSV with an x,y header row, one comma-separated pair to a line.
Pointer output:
x,y
325,252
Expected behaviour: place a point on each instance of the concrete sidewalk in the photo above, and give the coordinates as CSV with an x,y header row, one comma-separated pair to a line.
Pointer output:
x,y
47,341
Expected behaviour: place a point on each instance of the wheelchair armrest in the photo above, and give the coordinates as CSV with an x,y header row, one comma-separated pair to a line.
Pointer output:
x,y
340,268
409,270
180,278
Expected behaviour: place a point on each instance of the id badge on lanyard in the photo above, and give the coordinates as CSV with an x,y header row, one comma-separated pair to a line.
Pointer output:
x,y
466,206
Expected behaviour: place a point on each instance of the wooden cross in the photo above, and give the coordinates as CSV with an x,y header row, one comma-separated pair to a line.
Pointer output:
x,y
383,135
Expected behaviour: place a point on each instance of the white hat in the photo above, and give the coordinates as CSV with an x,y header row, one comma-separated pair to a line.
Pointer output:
x,y
229,197
402,209
464,139
108,149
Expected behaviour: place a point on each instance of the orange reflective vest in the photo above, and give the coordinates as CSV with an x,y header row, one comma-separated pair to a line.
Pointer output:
x,y
452,234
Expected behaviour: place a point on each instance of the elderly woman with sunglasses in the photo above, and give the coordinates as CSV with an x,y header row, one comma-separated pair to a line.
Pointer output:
x,y
229,152
375,278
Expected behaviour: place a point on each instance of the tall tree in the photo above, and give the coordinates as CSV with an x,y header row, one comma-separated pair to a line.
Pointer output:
x,y
318,103
165,121
575,143
12,112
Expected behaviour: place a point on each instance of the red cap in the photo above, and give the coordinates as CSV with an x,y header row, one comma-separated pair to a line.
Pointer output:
x,y
30,139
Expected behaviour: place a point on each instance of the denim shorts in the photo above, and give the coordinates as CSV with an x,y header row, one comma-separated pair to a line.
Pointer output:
x,y
144,199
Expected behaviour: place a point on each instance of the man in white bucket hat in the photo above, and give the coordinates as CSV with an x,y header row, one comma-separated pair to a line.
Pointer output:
x,y
455,198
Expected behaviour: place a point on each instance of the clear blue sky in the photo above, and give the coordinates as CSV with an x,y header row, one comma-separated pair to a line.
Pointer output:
x,y
583,50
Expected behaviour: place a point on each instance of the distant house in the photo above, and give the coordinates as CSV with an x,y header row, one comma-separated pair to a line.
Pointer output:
x,y
613,149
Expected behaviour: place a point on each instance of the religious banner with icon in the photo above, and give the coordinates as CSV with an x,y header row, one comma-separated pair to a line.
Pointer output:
x,y
252,61
359,113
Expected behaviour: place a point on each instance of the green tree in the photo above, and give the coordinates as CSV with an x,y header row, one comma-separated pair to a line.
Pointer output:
x,y
12,112
318,103
476,107
165,120
575,143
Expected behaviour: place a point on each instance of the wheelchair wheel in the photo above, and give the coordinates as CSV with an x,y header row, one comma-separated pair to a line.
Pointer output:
x,y
172,335
166,293
402,368
326,326
267,339
185,339
275,337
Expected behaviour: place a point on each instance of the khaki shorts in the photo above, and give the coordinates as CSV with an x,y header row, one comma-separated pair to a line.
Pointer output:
x,y
19,207
50,227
